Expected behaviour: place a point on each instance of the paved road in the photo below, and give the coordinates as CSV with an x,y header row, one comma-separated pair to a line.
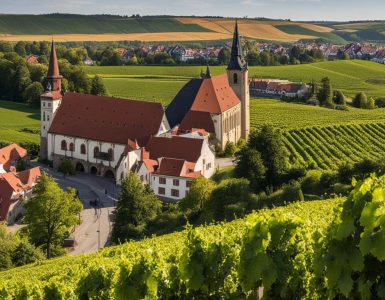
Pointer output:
x,y
94,231
224,162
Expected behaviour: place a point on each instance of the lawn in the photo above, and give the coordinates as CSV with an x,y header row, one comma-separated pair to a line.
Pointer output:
x,y
14,118
348,76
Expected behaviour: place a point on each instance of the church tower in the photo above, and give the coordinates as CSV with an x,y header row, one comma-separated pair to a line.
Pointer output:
x,y
238,76
49,101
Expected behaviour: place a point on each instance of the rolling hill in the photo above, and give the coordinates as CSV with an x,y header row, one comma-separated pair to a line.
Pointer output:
x,y
72,27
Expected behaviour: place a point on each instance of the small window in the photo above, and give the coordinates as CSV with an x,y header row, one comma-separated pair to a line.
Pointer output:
x,y
188,184
161,191
175,193
162,180
141,177
64,145
208,166
49,104
96,152
175,182
43,116
235,78
83,149
47,117
72,147
43,104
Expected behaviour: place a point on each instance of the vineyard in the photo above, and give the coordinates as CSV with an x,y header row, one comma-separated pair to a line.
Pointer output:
x,y
197,262
331,146
331,249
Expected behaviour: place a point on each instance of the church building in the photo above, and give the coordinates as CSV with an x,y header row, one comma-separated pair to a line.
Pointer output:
x,y
218,104
110,137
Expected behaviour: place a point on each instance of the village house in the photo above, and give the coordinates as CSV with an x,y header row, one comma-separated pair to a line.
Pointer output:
x,y
15,189
10,156
277,88
32,59
110,137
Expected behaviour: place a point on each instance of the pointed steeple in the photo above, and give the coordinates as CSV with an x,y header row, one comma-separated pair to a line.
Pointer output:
x,y
53,75
208,72
237,61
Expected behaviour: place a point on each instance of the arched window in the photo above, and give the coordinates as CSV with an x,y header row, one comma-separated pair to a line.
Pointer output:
x,y
96,152
72,147
83,149
235,78
64,145
111,154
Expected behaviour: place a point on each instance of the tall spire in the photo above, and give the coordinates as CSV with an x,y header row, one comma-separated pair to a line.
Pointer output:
x,y
237,61
53,74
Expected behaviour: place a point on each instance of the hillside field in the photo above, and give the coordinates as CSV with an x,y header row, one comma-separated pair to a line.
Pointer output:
x,y
64,275
70,27
348,76
14,118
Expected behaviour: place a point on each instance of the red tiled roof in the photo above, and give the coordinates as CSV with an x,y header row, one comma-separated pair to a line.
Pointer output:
x,y
197,119
215,96
107,119
15,182
150,164
176,147
10,154
52,95
177,168
32,59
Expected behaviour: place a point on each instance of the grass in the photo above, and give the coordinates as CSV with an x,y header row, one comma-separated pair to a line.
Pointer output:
x,y
13,118
82,24
348,76
294,116
298,29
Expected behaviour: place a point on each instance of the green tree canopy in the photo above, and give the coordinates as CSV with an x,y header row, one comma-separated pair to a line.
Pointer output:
x,y
325,92
198,195
136,207
98,87
32,94
51,214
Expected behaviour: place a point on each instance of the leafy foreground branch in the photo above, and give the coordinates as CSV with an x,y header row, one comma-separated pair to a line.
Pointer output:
x,y
307,250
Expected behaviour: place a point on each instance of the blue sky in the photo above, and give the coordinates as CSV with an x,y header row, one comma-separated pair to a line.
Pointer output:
x,y
292,9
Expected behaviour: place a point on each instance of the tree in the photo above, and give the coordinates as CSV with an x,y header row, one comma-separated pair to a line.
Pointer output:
x,y
198,195
325,92
136,207
51,214
253,58
268,142
371,103
250,166
134,60
98,87
66,167
21,80
32,93
224,56
339,98
360,100
20,49
229,199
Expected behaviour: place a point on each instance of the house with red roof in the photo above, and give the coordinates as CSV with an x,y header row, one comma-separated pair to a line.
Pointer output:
x,y
10,156
15,189
168,165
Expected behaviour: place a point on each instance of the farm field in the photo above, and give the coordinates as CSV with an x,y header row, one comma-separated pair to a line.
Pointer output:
x,y
348,76
13,118
68,272
115,28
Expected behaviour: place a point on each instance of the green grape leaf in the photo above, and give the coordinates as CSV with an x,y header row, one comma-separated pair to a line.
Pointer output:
x,y
345,283
346,228
356,260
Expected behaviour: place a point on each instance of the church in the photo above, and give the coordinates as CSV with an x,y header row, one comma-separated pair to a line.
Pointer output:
x,y
168,148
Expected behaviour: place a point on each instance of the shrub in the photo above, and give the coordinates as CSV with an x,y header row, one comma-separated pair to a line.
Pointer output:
x,y
66,167
380,102
311,183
